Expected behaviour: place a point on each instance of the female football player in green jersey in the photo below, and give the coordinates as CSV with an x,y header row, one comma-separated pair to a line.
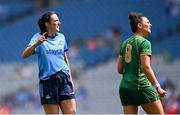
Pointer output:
x,y
139,86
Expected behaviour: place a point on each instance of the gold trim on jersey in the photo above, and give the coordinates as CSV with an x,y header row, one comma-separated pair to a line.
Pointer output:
x,y
146,54
147,96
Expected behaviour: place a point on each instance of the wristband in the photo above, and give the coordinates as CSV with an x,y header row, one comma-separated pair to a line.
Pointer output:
x,y
156,85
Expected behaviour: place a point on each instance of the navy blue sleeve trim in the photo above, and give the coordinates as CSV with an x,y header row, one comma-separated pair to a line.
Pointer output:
x,y
66,50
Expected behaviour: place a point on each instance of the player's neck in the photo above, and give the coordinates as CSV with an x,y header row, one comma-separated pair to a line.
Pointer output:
x,y
138,34
51,34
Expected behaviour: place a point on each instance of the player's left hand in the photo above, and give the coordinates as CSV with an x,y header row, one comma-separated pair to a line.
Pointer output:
x,y
161,92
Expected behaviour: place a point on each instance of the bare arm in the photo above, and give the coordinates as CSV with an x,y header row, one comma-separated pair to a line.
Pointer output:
x,y
145,64
120,65
30,49
67,62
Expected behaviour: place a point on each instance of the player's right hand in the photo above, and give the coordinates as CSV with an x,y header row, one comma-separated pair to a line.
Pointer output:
x,y
42,38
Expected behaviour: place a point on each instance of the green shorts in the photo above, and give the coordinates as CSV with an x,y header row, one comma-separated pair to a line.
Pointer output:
x,y
137,97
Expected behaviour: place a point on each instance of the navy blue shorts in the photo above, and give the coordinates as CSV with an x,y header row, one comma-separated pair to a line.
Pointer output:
x,y
59,87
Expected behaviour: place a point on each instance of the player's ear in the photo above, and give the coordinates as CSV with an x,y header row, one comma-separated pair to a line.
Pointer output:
x,y
139,25
47,24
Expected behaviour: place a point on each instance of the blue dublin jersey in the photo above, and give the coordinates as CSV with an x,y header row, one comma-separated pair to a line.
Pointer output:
x,y
50,55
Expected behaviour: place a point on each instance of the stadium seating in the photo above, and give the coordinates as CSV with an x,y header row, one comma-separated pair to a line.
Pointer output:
x,y
15,9
82,19
169,45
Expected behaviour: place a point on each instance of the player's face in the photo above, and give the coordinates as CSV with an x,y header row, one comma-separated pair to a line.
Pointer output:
x,y
145,27
54,25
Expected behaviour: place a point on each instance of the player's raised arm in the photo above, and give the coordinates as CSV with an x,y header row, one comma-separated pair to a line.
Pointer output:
x,y
30,49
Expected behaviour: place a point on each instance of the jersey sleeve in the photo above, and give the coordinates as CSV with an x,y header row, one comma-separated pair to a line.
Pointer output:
x,y
121,49
145,48
33,41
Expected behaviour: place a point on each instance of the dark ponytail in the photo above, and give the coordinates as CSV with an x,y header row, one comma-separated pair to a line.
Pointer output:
x,y
134,18
42,26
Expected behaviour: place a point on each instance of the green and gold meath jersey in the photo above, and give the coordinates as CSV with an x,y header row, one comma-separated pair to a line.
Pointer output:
x,y
133,75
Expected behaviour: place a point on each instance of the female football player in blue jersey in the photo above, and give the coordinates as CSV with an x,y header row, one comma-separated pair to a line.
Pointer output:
x,y
56,87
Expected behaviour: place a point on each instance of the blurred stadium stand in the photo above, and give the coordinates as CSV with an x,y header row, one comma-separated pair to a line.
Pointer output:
x,y
92,28
11,10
